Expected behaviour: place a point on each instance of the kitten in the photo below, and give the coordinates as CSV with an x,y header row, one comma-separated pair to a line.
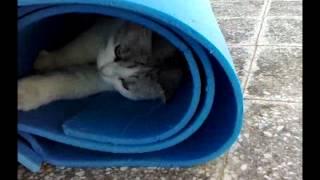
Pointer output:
x,y
113,55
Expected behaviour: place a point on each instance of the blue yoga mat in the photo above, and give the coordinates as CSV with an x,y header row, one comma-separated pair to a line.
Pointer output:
x,y
201,122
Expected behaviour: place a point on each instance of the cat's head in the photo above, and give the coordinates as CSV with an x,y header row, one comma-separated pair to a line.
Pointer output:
x,y
127,58
126,52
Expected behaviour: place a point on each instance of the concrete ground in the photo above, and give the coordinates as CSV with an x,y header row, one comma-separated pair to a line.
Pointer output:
x,y
265,39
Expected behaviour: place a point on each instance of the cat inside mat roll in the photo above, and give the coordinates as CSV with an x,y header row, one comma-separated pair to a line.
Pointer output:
x,y
112,55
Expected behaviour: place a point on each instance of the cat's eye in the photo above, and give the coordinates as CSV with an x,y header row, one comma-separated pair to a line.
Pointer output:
x,y
117,51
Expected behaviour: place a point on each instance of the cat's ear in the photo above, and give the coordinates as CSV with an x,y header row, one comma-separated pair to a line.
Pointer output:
x,y
142,37
139,29
169,80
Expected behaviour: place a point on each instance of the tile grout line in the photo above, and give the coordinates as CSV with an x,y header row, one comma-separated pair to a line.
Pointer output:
x,y
249,71
266,8
281,45
225,161
260,16
270,100
266,45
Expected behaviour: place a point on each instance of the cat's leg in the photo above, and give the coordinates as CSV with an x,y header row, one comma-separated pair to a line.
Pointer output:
x,y
82,50
35,91
48,61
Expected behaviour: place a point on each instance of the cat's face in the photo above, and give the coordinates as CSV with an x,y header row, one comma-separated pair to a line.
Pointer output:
x,y
127,63
126,52
125,56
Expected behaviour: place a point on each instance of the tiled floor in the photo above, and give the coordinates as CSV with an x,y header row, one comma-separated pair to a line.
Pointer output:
x,y
265,40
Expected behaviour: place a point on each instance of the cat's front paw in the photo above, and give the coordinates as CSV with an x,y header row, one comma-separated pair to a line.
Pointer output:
x,y
29,95
44,61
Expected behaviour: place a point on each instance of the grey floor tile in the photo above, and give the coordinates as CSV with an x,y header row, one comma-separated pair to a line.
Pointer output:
x,y
276,74
289,0
281,31
211,170
244,8
242,31
285,8
215,1
270,146
242,57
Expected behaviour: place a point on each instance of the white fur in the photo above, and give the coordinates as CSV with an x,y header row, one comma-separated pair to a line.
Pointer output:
x,y
80,81
38,90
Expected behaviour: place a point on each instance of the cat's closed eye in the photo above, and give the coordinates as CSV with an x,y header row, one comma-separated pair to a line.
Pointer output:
x,y
123,52
117,51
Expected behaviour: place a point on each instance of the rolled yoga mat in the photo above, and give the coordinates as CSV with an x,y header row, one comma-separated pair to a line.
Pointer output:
x,y
200,123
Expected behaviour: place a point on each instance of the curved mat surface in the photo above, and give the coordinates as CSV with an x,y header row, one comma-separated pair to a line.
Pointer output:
x,y
201,123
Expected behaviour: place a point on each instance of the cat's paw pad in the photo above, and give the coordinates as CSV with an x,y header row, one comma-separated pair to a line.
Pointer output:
x,y
43,61
29,97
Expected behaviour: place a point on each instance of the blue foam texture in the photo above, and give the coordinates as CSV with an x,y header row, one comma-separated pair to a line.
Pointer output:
x,y
27,157
200,124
